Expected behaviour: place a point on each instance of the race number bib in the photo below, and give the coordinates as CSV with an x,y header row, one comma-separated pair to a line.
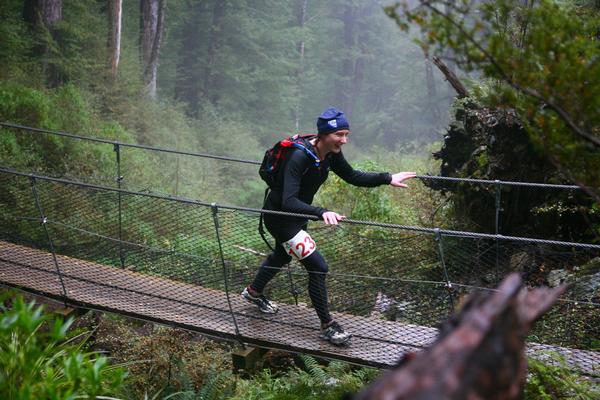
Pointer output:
x,y
300,246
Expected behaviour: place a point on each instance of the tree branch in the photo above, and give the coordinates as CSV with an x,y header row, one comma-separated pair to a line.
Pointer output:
x,y
504,76
451,78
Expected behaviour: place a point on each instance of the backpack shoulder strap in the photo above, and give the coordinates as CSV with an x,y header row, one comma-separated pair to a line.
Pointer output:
x,y
301,142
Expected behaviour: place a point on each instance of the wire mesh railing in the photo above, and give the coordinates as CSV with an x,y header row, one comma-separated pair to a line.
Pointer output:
x,y
389,285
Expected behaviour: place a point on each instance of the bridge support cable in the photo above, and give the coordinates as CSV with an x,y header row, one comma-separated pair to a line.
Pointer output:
x,y
119,179
44,222
497,195
215,213
449,288
102,141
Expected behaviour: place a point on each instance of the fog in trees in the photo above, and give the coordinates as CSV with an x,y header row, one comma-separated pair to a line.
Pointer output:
x,y
275,65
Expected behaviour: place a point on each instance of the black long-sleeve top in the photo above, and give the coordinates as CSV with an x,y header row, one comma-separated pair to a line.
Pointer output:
x,y
299,180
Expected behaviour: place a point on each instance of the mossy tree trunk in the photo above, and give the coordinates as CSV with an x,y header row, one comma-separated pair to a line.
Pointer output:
x,y
152,17
115,11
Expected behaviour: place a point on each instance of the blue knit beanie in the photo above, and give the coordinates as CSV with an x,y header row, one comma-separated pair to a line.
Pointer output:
x,y
332,120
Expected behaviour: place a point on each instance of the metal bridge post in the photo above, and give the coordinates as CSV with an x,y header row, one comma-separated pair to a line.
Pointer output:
x,y
215,213
117,149
497,228
449,288
44,221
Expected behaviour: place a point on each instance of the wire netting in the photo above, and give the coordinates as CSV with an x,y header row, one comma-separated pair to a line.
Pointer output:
x,y
185,262
548,211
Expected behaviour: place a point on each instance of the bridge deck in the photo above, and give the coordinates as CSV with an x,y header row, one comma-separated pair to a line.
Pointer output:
x,y
379,343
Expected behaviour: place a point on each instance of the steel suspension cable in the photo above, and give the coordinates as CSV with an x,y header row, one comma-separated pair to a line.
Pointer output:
x,y
432,231
254,162
131,145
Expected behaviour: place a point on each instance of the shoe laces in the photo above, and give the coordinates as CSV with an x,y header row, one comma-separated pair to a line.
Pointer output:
x,y
335,327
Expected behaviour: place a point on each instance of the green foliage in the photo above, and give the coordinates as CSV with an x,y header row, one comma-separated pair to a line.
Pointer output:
x,y
216,386
412,206
543,58
316,382
549,382
16,43
372,204
40,359
80,47
164,362
252,71
64,108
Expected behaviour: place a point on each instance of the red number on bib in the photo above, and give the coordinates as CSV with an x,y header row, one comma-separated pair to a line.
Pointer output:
x,y
310,242
303,248
303,252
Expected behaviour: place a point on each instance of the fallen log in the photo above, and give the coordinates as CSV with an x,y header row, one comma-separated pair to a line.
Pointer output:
x,y
479,353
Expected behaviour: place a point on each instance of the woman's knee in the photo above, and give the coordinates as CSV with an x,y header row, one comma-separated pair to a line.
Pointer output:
x,y
316,263
278,258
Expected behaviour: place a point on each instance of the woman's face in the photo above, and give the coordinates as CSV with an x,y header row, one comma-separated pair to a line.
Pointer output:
x,y
334,141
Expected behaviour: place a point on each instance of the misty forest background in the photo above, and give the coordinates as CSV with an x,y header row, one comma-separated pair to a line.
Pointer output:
x,y
231,77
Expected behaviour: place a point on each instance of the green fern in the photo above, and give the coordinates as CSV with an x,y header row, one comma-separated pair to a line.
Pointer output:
x,y
337,369
314,369
547,381
216,383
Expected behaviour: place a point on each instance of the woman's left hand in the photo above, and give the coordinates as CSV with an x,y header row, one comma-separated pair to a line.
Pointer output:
x,y
400,177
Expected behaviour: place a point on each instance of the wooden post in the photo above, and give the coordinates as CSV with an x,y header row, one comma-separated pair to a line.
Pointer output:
x,y
245,359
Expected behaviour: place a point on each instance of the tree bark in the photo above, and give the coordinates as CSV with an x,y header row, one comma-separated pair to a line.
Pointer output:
x,y
152,16
479,353
44,13
300,74
115,11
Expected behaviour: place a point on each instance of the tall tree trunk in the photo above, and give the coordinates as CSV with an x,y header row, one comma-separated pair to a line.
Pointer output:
x,y
45,13
115,10
152,17
300,74
211,76
40,15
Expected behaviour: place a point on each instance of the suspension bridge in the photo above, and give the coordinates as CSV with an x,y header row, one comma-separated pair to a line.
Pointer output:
x,y
183,263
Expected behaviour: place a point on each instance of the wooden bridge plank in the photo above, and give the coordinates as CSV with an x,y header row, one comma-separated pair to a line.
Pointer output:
x,y
376,342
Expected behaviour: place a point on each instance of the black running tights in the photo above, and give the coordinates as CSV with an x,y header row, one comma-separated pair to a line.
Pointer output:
x,y
317,272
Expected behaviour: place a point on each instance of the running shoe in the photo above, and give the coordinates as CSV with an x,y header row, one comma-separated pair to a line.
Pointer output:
x,y
264,305
335,334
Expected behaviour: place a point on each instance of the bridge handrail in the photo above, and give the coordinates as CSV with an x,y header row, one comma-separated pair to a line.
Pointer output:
x,y
433,231
243,161
123,144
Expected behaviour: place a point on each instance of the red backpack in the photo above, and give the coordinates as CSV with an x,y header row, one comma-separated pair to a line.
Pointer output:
x,y
275,157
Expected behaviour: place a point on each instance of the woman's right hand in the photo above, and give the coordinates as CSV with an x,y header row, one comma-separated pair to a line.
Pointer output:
x,y
332,218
